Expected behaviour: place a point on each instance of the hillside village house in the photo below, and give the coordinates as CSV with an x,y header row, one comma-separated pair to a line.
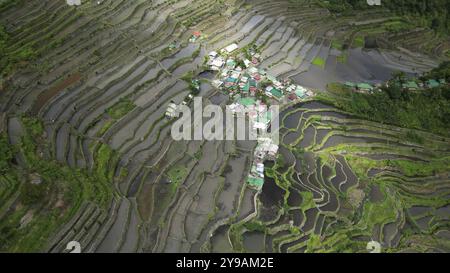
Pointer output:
x,y
229,49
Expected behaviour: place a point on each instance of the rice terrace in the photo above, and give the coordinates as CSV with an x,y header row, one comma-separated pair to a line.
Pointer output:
x,y
91,91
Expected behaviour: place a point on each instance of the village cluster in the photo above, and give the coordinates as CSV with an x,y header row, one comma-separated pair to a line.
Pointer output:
x,y
251,90
239,76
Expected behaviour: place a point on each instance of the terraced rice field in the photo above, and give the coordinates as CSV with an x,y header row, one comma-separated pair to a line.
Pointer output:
x,y
344,182
101,87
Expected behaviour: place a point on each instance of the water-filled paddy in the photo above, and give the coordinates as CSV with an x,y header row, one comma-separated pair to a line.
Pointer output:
x,y
362,66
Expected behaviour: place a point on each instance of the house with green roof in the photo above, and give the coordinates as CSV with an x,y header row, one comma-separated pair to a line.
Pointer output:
x,y
410,85
433,83
231,63
255,182
364,87
300,92
350,84
247,101
246,87
231,79
276,93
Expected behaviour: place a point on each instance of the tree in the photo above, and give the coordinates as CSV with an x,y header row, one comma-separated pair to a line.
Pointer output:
x,y
399,77
6,154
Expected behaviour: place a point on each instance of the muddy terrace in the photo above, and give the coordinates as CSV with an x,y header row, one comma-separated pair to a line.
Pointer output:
x,y
101,90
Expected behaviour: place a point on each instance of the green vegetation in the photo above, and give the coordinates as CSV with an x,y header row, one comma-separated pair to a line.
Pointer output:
x,y
376,213
33,125
413,168
121,108
188,76
35,194
49,193
433,14
361,165
358,41
314,243
337,45
105,127
194,86
319,62
396,26
307,200
177,174
414,137
314,203
12,58
255,226
425,109
6,153
9,3
280,160
105,156
116,112
374,199
441,72
338,88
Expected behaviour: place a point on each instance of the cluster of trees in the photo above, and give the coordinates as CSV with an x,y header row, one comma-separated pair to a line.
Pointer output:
x,y
425,109
434,12
441,72
3,44
6,154
58,182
